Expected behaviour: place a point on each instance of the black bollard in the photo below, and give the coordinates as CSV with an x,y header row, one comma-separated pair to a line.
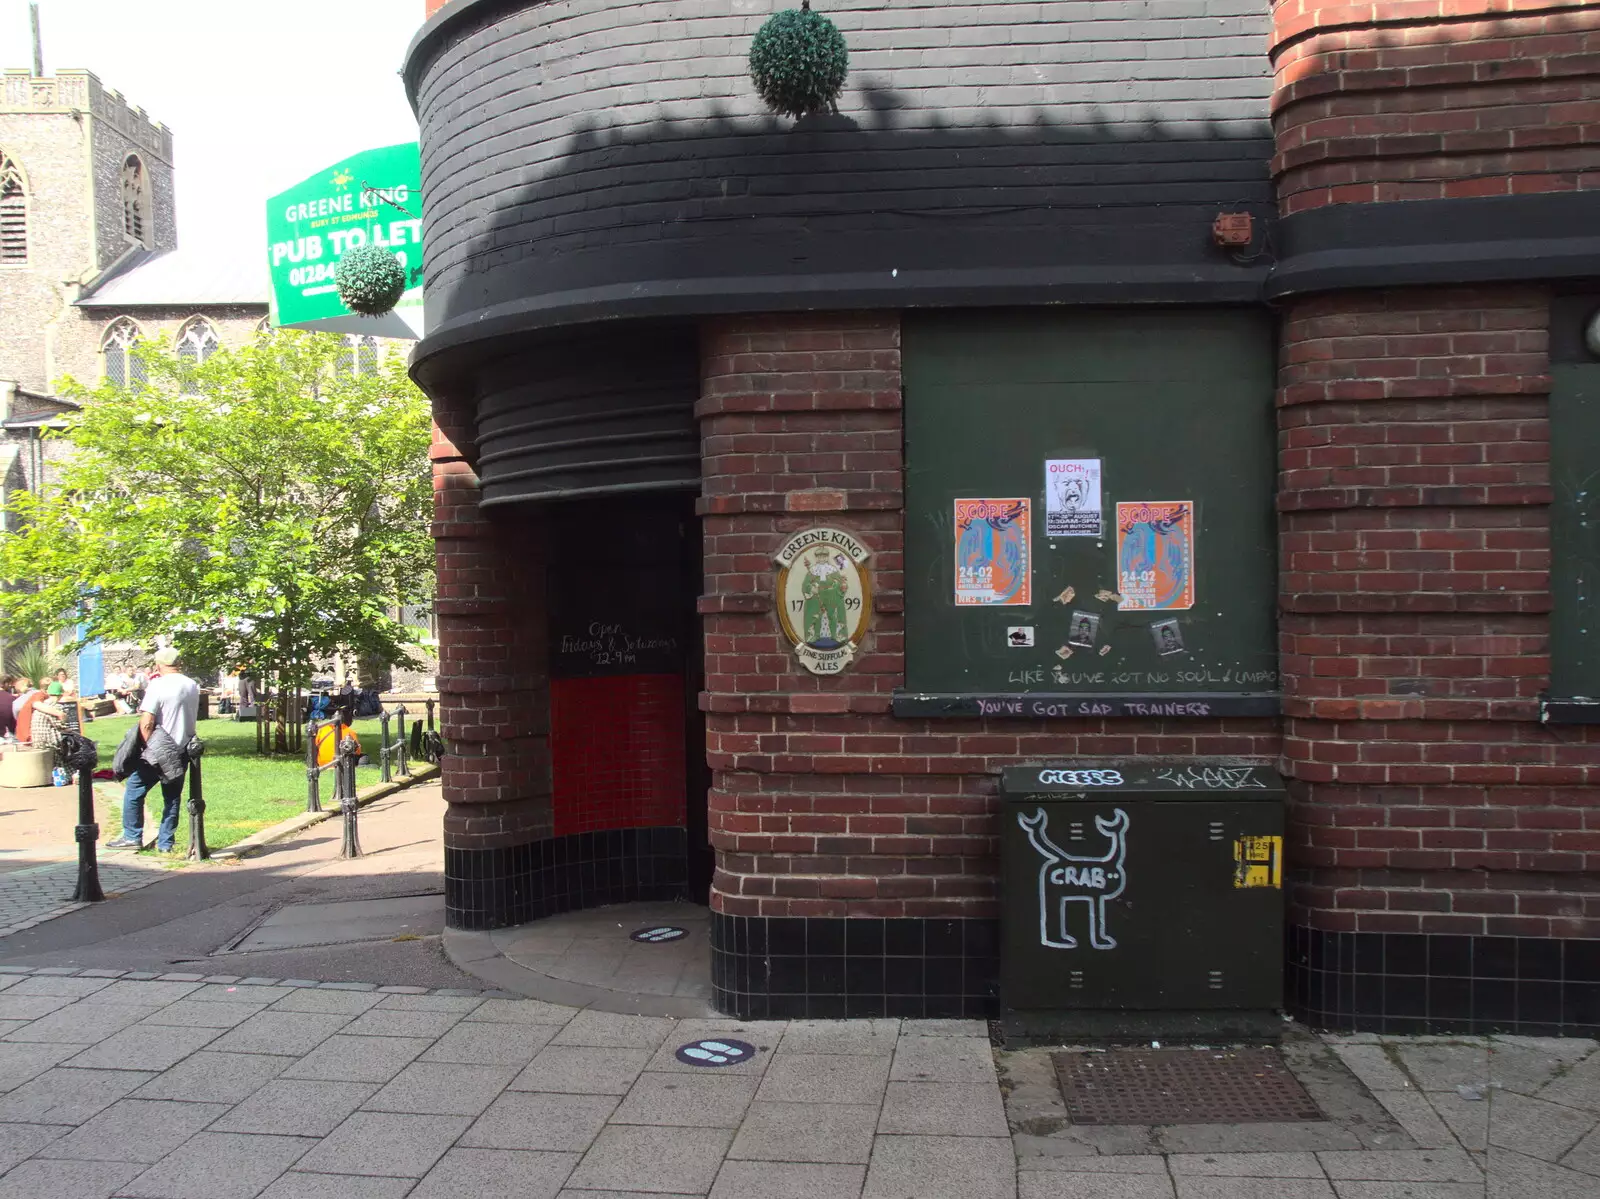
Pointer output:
x,y
400,742
416,749
313,773
83,755
345,774
198,850
383,747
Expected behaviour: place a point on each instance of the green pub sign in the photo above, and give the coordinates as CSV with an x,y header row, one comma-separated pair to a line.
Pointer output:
x,y
370,198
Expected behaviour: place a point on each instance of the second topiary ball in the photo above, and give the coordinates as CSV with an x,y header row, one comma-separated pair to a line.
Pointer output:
x,y
798,61
371,280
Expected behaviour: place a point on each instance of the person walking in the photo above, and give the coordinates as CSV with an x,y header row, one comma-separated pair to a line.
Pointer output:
x,y
167,715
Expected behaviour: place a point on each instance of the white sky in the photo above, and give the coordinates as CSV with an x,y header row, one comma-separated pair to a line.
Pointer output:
x,y
259,94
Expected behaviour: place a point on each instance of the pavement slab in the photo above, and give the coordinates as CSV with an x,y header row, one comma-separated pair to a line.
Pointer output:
x,y
135,1130
496,1174
82,1024
709,1099
61,1096
280,1032
639,1157
787,1180
385,1143
18,1142
196,1013
1536,1127
582,1070
386,1022
45,1179
838,1133
943,1109
442,1088
1516,1176
1054,1184
145,1047
216,1077
915,1167
490,1044
299,1185
358,1059
824,1078
219,1165
612,1031
878,1037
296,1107
540,1120
20,1062
1191,1187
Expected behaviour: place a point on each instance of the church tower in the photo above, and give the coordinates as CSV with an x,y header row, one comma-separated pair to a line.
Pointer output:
x,y
85,179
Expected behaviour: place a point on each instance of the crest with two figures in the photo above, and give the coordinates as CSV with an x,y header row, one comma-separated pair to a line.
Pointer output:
x,y
824,597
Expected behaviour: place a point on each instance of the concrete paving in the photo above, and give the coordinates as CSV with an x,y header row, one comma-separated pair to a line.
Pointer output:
x,y
191,1086
587,959
198,913
144,1055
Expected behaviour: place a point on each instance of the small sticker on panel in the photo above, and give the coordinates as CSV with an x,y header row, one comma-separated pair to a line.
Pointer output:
x,y
1258,862
1085,629
1020,636
1168,637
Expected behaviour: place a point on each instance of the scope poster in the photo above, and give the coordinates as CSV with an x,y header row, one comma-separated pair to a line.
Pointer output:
x,y
994,544
1155,555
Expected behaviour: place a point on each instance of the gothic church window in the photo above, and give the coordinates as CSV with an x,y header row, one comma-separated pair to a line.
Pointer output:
x,y
359,355
122,367
135,200
197,341
13,212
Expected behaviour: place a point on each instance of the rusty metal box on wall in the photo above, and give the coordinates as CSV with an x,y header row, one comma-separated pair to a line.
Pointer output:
x,y
1141,898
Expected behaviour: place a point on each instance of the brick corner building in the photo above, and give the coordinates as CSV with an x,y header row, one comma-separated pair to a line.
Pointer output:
x,y
1309,283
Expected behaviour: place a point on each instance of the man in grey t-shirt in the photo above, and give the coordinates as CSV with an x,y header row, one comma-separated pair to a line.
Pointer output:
x,y
171,703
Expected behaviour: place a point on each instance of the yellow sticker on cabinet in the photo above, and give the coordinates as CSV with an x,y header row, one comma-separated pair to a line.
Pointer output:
x,y
1258,862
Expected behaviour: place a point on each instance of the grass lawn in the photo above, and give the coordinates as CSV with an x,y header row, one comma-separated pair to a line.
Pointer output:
x,y
245,791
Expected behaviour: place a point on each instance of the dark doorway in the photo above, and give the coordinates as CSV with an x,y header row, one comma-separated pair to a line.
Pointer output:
x,y
627,739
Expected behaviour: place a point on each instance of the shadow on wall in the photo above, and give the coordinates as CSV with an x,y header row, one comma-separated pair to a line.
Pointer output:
x,y
678,218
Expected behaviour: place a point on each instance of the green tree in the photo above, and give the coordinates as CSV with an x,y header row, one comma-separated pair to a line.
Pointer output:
x,y
267,508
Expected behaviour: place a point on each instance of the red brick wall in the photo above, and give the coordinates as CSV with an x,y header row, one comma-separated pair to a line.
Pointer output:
x,y
1415,592
1415,483
493,692
1423,99
822,804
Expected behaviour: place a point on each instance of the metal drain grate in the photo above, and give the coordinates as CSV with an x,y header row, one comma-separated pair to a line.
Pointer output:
x,y
1181,1086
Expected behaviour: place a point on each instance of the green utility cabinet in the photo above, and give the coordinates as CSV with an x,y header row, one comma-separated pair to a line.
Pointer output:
x,y
1141,898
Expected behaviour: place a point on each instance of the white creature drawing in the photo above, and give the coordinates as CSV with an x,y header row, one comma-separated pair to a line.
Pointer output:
x,y
1073,878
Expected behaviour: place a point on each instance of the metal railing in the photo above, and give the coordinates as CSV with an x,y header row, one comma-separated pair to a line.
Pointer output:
x,y
343,765
395,750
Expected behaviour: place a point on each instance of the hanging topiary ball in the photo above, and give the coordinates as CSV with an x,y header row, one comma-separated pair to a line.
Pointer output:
x,y
798,61
371,280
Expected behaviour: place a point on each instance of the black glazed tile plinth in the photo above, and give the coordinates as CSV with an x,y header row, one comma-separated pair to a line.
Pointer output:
x,y
770,967
498,888
1444,983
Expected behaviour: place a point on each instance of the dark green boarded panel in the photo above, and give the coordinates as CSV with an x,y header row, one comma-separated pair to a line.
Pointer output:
x,y
1178,406
1575,531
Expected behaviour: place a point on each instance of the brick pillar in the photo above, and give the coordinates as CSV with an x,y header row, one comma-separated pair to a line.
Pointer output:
x,y
1444,839
809,816
493,690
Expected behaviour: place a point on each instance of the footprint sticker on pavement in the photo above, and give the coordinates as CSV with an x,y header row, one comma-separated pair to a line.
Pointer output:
x,y
715,1053
654,936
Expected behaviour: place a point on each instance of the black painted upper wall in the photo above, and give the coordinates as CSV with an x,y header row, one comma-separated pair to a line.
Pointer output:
x,y
585,159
